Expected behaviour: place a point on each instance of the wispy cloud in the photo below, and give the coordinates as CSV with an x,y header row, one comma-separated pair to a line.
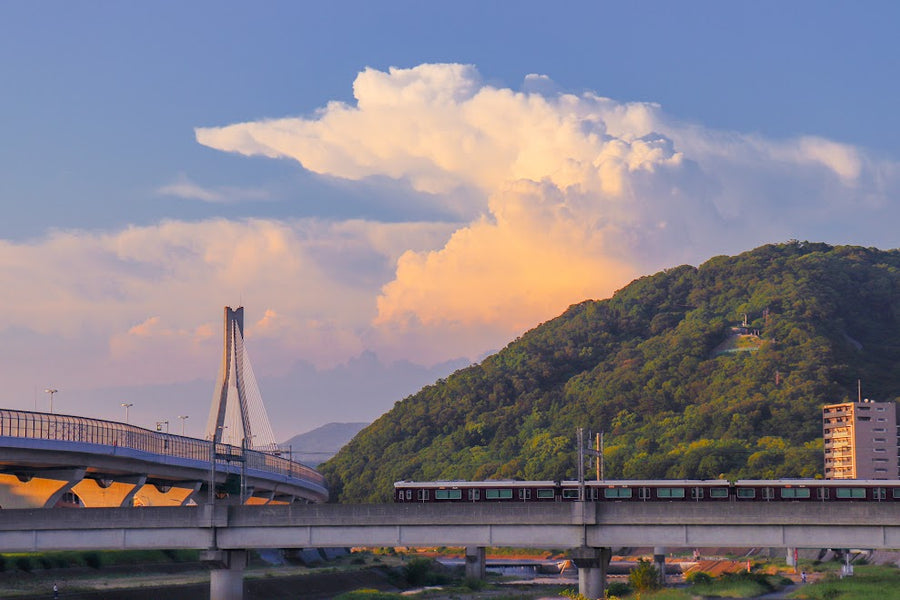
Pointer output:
x,y
184,187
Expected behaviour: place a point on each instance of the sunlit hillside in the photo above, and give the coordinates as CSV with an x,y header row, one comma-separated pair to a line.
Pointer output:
x,y
644,368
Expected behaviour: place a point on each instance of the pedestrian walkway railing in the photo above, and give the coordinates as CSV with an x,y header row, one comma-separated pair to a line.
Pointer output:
x,y
44,426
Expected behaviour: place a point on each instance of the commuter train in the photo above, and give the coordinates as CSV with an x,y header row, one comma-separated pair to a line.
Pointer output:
x,y
674,490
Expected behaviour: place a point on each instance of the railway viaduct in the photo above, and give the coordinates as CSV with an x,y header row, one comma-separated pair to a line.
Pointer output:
x,y
588,530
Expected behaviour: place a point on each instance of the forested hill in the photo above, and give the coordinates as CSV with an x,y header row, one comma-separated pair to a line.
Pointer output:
x,y
660,368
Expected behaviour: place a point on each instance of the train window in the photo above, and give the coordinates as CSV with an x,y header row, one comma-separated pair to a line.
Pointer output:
x,y
718,492
448,494
670,492
545,493
696,493
895,493
498,494
474,494
422,495
570,494
851,493
878,493
617,493
795,493
408,494
746,493
822,493
524,493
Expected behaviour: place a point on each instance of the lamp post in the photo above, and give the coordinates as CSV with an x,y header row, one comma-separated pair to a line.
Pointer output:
x,y
51,391
183,419
126,406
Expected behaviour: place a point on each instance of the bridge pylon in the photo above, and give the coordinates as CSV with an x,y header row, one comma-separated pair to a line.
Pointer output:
x,y
237,415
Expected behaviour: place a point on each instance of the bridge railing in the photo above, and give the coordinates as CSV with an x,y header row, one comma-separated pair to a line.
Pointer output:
x,y
43,426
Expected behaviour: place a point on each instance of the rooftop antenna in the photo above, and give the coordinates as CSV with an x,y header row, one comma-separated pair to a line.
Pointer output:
x,y
859,390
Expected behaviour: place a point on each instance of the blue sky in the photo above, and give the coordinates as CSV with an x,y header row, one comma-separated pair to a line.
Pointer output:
x,y
132,213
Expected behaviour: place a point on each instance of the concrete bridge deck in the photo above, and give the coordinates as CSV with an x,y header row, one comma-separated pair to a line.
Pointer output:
x,y
553,525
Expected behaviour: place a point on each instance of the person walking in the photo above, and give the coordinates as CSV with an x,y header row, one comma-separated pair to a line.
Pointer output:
x,y
55,592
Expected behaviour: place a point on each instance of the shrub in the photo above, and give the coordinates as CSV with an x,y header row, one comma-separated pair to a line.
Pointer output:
x,y
422,571
474,584
698,577
644,576
617,588
2,563
92,559
23,563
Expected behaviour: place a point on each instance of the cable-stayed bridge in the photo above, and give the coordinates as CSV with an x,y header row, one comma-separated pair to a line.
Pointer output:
x,y
49,460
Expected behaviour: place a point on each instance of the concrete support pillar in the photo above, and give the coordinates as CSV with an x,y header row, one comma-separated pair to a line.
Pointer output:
x,y
592,564
475,562
659,557
226,575
791,557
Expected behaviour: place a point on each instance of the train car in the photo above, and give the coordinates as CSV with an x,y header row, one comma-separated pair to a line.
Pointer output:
x,y
674,490
667,490
477,491
816,490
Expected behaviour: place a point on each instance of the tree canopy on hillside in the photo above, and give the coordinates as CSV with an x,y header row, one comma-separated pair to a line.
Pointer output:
x,y
641,367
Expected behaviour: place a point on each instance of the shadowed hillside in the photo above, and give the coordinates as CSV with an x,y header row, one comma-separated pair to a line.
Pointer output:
x,y
641,366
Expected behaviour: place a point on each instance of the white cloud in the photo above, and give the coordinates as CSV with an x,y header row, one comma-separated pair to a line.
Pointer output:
x,y
145,302
578,193
184,187
566,197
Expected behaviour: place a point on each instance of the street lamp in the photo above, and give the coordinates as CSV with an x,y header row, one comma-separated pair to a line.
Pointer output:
x,y
183,419
126,406
51,391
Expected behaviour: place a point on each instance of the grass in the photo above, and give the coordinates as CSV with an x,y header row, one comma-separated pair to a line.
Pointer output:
x,y
869,582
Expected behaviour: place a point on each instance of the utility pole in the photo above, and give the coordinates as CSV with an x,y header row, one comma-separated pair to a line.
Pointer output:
x,y
580,431
597,453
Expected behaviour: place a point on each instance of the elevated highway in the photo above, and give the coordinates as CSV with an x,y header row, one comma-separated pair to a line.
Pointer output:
x,y
48,460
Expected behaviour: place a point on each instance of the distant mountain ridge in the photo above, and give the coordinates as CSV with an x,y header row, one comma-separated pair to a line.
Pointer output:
x,y
320,444
641,366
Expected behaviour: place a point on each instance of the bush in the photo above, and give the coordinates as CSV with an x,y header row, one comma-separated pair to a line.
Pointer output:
x,y
618,588
422,571
698,577
474,584
644,576
2,563
23,563
92,559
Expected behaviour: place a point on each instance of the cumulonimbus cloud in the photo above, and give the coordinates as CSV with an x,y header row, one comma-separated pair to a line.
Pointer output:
x,y
578,193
